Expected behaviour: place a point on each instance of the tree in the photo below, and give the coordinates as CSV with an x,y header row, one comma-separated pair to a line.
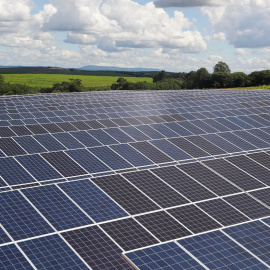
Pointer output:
x,y
222,79
239,79
221,67
160,76
203,78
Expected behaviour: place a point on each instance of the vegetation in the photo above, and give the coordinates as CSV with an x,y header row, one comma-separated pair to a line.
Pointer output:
x,y
13,84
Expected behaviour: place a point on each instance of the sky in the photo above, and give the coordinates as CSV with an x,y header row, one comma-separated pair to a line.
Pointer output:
x,y
174,35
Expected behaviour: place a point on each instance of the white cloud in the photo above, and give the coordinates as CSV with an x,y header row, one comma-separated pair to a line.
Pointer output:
x,y
190,3
117,25
216,37
244,22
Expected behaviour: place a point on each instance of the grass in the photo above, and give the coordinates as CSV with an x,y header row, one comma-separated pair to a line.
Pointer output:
x,y
47,80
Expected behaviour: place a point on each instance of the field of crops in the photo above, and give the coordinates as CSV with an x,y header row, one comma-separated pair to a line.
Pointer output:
x,y
47,80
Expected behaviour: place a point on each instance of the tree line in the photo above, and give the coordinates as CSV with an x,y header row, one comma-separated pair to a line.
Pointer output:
x,y
200,79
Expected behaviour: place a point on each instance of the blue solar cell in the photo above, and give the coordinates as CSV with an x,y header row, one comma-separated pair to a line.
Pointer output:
x,y
12,259
3,237
102,136
217,251
213,123
53,253
149,131
110,158
30,144
135,133
228,124
222,143
254,236
170,149
250,121
19,218
92,200
167,132
178,129
260,134
85,138
119,135
68,141
88,161
166,256
190,127
131,155
49,142
260,120
56,207
38,167
13,173
205,127
252,139
244,145
239,122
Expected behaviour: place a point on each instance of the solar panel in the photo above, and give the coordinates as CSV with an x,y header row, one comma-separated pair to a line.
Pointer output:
x,y
65,165
19,218
92,200
89,177
125,194
156,189
51,252
96,249
168,256
222,251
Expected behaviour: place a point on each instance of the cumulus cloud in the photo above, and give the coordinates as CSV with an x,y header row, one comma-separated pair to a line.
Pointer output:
x,y
244,22
190,3
116,25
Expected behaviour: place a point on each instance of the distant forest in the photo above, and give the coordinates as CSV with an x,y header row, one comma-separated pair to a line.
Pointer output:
x,y
200,79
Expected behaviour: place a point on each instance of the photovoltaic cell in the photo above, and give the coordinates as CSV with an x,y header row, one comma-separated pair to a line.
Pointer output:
x,y
85,138
237,141
151,152
126,195
222,143
10,147
92,200
249,206
6,132
251,167
252,139
150,132
262,158
110,158
13,173
205,127
37,129
234,174
189,147
52,128
56,207
156,189
129,234
209,179
119,135
51,252
30,144
254,236
21,130
216,125
102,136
190,127
263,195
3,237
184,184
66,126
12,259
68,141
38,167
131,155
170,149
222,212
88,161
178,129
163,226
167,132
206,145
64,164
194,219
135,133
19,218
217,251
167,256
97,249
49,142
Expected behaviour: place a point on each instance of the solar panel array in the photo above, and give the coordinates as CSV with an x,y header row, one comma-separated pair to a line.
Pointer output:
x,y
144,179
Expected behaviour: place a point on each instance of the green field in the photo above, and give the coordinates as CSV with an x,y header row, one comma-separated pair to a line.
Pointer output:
x,y
47,80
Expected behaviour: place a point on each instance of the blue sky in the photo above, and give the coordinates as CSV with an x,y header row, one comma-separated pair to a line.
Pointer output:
x,y
175,35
